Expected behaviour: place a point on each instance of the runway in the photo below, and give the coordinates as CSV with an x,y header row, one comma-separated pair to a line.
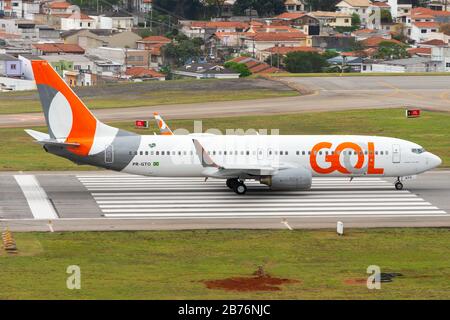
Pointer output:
x,y
328,94
110,201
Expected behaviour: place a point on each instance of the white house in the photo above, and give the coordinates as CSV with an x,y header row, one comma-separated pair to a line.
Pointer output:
x,y
423,31
364,8
294,5
20,8
78,21
441,54
115,21
60,7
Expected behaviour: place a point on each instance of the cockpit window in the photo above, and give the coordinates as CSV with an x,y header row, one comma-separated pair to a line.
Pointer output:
x,y
418,150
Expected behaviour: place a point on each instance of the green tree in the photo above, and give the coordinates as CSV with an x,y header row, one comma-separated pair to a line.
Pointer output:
x,y
263,7
321,5
356,20
178,52
185,9
305,62
328,54
385,16
389,50
240,68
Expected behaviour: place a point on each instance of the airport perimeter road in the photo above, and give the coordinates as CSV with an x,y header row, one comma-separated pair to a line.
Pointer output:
x,y
328,93
109,201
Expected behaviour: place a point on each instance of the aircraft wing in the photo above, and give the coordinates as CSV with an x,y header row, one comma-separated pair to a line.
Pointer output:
x,y
44,139
217,170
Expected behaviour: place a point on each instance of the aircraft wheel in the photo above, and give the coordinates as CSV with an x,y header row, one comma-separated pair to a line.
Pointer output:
x,y
398,185
231,183
240,188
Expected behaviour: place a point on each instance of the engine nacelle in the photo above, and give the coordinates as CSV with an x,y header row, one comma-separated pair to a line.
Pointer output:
x,y
289,179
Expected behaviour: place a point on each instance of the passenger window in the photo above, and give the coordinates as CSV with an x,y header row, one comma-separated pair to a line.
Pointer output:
x,y
309,153
286,153
157,153
303,153
387,152
214,153
320,153
376,153
146,153
152,152
365,152
381,152
130,153
297,153
179,153
162,153
135,153
281,153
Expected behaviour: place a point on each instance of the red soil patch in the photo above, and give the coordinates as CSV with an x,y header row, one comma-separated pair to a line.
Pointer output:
x,y
355,281
265,283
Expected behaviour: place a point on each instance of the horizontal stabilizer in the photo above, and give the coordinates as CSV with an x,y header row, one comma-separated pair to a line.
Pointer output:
x,y
44,139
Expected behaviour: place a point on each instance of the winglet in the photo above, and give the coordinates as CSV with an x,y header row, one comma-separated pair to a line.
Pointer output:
x,y
163,127
203,155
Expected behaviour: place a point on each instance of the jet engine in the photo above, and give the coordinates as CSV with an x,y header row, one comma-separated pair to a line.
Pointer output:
x,y
289,179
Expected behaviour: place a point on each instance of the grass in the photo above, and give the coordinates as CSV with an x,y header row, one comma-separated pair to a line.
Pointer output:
x,y
151,98
167,264
431,130
359,74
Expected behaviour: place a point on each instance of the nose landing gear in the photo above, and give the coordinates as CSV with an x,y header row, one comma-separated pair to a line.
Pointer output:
x,y
398,184
237,186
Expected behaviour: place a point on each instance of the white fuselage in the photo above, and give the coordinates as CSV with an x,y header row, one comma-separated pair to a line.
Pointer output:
x,y
324,155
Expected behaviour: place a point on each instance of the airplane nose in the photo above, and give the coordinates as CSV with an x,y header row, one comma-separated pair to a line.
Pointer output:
x,y
434,161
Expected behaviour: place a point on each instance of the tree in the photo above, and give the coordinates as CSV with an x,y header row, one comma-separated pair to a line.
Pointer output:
x,y
328,54
178,52
390,50
185,9
263,7
386,16
445,28
356,20
305,62
217,5
240,68
320,5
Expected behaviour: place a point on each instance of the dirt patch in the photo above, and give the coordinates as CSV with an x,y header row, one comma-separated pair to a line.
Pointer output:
x,y
257,283
357,281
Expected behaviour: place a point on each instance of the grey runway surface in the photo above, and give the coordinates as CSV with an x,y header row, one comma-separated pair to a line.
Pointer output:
x,y
110,201
329,93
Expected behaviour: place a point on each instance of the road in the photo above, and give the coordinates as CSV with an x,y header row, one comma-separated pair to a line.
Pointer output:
x,y
103,200
329,93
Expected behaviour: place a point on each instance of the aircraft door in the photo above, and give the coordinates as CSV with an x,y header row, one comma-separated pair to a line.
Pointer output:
x,y
109,154
396,157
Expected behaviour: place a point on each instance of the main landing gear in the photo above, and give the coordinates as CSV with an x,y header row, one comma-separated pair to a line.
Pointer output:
x,y
398,184
237,186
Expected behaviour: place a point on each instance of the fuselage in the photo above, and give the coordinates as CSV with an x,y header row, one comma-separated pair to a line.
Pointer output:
x,y
324,155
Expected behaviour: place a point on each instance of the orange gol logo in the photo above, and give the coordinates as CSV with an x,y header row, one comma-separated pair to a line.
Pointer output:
x,y
335,160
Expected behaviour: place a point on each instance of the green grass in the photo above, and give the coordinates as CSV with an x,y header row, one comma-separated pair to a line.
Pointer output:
x,y
151,98
359,74
172,264
431,130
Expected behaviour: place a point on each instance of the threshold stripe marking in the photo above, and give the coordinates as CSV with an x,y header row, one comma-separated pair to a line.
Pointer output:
x,y
37,198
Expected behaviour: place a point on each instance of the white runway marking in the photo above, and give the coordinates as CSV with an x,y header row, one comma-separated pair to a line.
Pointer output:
x,y
127,196
37,199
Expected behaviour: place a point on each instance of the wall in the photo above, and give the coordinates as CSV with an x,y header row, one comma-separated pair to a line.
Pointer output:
x,y
18,84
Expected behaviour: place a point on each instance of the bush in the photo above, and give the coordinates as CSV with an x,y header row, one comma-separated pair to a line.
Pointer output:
x,y
240,68
305,62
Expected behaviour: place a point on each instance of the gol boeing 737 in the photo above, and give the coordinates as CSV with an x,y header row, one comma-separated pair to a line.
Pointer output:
x,y
283,162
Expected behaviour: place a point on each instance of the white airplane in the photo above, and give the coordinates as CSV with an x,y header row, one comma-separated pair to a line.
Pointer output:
x,y
283,162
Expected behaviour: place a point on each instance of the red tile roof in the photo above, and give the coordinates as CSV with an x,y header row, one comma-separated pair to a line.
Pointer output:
x,y
426,24
219,24
239,59
59,5
381,4
285,50
160,39
139,72
80,16
375,41
59,48
278,36
419,51
427,11
290,15
434,42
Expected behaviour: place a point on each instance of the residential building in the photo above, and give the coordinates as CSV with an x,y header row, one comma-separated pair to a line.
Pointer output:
x,y
94,38
364,8
10,66
294,5
305,22
422,31
19,8
205,29
43,49
255,66
143,74
259,41
354,64
336,42
374,42
441,54
116,20
283,51
106,67
333,19
70,62
77,21
414,64
124,56
205,71
60,7
24,29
